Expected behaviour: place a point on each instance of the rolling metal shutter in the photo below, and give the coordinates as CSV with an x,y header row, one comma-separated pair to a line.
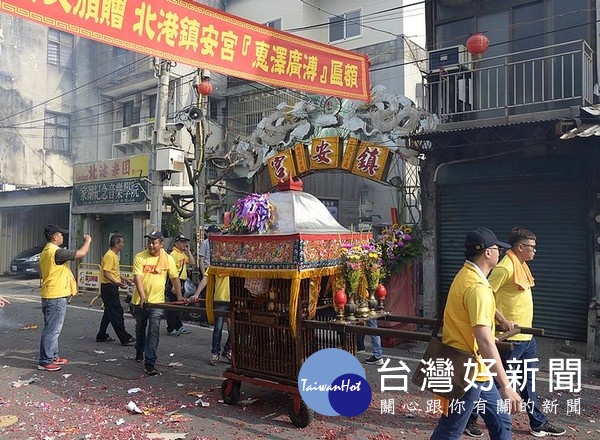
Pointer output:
x,y
555,210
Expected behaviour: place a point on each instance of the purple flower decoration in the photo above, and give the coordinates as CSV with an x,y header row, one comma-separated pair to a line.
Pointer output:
x,y
252,214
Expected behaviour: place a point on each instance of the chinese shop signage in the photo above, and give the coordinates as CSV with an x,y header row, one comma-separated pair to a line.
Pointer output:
x,y
120,168
358,157
110,192
197,35
121,181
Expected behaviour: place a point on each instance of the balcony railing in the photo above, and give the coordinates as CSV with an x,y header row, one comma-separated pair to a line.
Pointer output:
x,y
547,79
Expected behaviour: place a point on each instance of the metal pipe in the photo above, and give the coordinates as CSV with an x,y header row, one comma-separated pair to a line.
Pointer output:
x,y
179,307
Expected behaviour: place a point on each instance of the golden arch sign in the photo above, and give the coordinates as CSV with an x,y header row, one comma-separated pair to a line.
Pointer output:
x,y
361,158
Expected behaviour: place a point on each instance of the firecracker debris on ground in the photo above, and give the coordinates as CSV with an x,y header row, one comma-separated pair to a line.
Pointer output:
x,y
104,394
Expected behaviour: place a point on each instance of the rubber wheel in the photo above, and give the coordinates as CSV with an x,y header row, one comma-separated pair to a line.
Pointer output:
x,y
304,417
234,394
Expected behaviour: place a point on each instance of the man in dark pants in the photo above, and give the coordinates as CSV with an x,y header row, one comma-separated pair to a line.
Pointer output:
x,y
111,281
151,269
512,283
182,255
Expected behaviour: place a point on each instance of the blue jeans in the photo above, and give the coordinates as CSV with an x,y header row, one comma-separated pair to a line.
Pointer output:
x,y
216,336
54,311
452,426
521,351
147,342
375,340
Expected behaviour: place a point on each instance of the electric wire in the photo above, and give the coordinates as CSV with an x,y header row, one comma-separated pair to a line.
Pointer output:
x,y
263,88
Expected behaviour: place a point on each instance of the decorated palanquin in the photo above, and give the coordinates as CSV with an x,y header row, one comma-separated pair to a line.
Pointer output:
x,y
305,236
276,279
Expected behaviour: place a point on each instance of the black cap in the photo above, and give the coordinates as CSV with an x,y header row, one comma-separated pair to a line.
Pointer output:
x,y
481,238
212,229
181,237
53,229
154,235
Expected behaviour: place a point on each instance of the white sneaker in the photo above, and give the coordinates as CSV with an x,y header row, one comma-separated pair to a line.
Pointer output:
x,y
374,361
214,359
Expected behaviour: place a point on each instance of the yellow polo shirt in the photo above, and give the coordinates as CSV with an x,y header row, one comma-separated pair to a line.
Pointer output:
x,y
57,279
110,263
153,279
470,302
515,303
181,261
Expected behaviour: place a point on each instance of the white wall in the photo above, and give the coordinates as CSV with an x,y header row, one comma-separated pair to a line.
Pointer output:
x,y
26,80
379,26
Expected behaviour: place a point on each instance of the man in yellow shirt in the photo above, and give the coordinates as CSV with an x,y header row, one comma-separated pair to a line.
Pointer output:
x,y
469,326
512,282
58,285
151,268
182,256
110,282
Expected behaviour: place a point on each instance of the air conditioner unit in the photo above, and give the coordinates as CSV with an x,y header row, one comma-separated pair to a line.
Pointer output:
x,y
121,136
141,133
449,59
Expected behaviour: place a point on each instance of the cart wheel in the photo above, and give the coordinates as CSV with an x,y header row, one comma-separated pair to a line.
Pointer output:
x,y
303,417
230,391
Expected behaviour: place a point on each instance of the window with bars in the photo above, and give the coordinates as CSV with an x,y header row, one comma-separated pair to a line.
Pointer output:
x,y
342,27
60,48
252,120
131,114
57,132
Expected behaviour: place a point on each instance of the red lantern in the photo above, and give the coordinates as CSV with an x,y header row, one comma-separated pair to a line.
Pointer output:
x,y
340,299
205,88
381,292
477,44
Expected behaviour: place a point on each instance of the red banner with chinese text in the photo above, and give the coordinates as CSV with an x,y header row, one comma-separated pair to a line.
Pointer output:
x,y
200,36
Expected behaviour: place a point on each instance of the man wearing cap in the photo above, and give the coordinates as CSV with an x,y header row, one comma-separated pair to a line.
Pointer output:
x,y
110,282
204,260
182,256
151,268
58,285
468,325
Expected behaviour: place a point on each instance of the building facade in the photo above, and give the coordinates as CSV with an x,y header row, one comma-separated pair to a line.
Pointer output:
x,y
72,104
383,31
80,113
499,157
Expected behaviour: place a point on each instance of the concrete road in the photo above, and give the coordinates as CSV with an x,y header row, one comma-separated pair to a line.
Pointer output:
x,y
88,399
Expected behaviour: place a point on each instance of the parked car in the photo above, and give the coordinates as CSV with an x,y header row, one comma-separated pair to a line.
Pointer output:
x,y
27,262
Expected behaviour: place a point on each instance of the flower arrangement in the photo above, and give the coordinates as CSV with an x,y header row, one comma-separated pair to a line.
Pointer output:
x,y
352,266
372,264
399,245
252,214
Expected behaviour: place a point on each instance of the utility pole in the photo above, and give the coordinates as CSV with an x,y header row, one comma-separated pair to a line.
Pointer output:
x,y
158,141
